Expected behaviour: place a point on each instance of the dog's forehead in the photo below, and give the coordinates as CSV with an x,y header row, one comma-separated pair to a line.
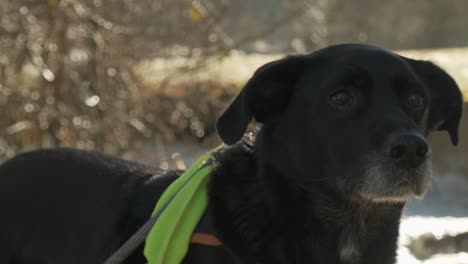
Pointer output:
x,y
367,57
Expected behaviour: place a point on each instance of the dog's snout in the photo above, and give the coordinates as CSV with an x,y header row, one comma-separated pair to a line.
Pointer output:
x,y
408,151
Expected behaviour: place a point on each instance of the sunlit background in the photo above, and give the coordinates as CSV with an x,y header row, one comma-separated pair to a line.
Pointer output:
x,y
146,79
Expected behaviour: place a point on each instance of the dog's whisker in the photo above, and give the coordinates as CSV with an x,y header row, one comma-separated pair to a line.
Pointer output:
x,y
434,186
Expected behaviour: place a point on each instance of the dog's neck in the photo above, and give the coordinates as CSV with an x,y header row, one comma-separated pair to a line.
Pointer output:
x,y
273,220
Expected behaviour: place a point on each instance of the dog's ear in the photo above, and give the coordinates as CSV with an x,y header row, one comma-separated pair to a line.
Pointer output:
x,y
265,96
446,99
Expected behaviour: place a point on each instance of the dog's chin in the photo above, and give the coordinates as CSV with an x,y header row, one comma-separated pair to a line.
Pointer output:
x,y
384,183
399,194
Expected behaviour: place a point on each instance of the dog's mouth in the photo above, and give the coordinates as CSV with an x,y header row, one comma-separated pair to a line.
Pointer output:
x,y
386,182
401,192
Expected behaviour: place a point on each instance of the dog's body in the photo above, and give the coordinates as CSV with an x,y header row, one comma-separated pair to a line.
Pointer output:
x,y
341,149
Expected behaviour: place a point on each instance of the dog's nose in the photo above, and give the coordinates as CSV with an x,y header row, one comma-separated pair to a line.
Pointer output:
x,y
408,151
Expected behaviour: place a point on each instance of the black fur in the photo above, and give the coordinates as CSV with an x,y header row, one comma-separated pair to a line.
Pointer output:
x,y
321,183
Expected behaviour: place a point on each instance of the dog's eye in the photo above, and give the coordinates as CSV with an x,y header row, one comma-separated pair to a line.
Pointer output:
x,y
341,98
416,100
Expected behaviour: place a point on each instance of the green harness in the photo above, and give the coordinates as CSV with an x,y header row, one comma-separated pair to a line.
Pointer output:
x,y
182,204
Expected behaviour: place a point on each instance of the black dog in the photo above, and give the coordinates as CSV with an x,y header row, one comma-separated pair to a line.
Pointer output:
x,y
342,147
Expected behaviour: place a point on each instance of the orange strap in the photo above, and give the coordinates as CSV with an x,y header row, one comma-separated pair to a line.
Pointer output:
x,y
205,239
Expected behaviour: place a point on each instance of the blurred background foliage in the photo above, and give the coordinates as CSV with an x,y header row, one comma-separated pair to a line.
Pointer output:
x,y
71,74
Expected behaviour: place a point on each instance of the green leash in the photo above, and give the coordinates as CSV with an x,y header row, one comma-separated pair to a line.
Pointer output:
x,y
186,199
174,218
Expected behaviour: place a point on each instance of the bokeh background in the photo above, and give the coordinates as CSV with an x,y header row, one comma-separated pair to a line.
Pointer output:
x,y
146,79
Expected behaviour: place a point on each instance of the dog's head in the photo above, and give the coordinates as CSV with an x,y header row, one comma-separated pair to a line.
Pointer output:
x,y
354,117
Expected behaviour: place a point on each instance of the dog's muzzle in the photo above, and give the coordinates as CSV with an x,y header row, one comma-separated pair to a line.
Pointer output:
x,y
401,171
